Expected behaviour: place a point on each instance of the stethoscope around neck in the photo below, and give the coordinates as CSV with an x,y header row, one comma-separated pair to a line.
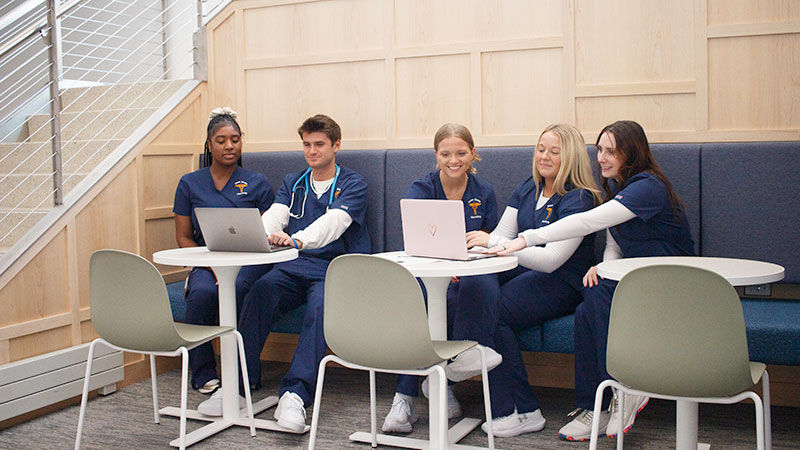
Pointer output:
x,y
305,177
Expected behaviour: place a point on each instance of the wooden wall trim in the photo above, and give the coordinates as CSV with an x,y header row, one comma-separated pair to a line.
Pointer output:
x,y
639,88
35,326
752,29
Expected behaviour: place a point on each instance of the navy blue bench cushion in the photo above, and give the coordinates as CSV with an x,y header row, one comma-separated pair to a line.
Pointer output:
x,y
176,301
503,167
749,205
371,164
530,340
290,322
681,165
773,330
559,335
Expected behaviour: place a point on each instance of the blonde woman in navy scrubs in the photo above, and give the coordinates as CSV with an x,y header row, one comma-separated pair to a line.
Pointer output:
x,y
546,284
454,179
221,183
643,217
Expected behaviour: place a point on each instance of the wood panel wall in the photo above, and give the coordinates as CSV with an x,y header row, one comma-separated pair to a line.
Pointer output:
x,y
392,71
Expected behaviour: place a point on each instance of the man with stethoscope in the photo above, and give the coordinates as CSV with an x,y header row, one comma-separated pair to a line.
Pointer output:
x,y
323,208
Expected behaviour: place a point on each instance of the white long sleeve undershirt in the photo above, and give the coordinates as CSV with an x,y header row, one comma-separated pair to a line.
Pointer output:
x,y
543,259
602,217
326,229
612,250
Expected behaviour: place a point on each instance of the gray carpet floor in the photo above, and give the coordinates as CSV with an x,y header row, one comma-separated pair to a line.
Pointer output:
x,y
124,420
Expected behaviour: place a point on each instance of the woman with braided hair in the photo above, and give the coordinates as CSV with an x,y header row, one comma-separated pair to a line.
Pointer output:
x,y
220,183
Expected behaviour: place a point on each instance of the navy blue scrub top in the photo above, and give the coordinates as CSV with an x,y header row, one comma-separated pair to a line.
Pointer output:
x,y
244,189
350,195
480,202
525,198
654,231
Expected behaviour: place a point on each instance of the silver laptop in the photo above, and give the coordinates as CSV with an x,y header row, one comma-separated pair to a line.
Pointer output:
x,y
436,229
234,230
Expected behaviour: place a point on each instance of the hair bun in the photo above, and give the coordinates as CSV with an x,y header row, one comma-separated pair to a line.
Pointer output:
x,y
222,111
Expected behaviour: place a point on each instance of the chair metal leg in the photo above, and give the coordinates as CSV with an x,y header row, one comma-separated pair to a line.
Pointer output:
x,y
598,404
312,440
184,394
767,411
487,401
373,413
85,394
154,384
621,429
246,380
759,419
442,419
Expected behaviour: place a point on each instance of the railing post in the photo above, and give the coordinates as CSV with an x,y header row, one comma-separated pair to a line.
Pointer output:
x,y
164,49
199,46
55,102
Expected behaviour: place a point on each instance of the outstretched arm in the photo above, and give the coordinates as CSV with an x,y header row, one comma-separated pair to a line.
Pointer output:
x,y
604,216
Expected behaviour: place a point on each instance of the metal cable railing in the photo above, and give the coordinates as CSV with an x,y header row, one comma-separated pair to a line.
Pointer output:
x,y
122,57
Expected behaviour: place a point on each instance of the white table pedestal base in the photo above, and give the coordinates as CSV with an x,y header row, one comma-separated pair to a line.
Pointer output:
x,y
220,423
226,266
455,434
686,414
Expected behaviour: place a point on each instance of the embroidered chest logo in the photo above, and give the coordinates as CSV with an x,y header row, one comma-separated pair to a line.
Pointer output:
x,y
549,210
241,185
432,229
474,203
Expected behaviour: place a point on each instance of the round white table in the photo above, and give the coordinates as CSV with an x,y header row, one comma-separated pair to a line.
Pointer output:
x,y
738,272
226,266
436,275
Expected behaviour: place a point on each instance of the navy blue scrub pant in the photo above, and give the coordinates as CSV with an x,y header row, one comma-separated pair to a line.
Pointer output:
x,y
284,288
202,308
591,336
468,317
526,298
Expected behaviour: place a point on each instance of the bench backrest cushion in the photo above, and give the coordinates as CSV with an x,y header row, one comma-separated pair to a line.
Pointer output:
x,y
750,206
371,164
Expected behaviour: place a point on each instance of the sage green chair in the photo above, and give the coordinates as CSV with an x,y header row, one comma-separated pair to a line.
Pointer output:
x,y
130,311
678,333
375,320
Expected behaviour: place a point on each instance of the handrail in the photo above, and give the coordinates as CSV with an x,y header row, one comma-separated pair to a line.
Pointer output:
x,y
24,9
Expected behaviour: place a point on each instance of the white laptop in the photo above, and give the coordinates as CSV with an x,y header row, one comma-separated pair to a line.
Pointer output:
x,y
234,230
436,229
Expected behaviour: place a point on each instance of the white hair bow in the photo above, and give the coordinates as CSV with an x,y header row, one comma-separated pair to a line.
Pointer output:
x,y
222,111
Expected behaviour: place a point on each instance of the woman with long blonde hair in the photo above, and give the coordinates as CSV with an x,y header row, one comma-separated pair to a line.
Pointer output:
x,y
546,284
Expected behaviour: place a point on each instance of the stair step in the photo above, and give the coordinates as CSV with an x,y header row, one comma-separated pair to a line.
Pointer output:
x,y
111,124
118,96
35,157
33,191
23,220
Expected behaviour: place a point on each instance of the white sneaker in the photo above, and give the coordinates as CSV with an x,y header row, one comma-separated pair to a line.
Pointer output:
x,y
634,404
580,428
210,387
402,415
453,406
515,424
468,364
213,406
290,413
